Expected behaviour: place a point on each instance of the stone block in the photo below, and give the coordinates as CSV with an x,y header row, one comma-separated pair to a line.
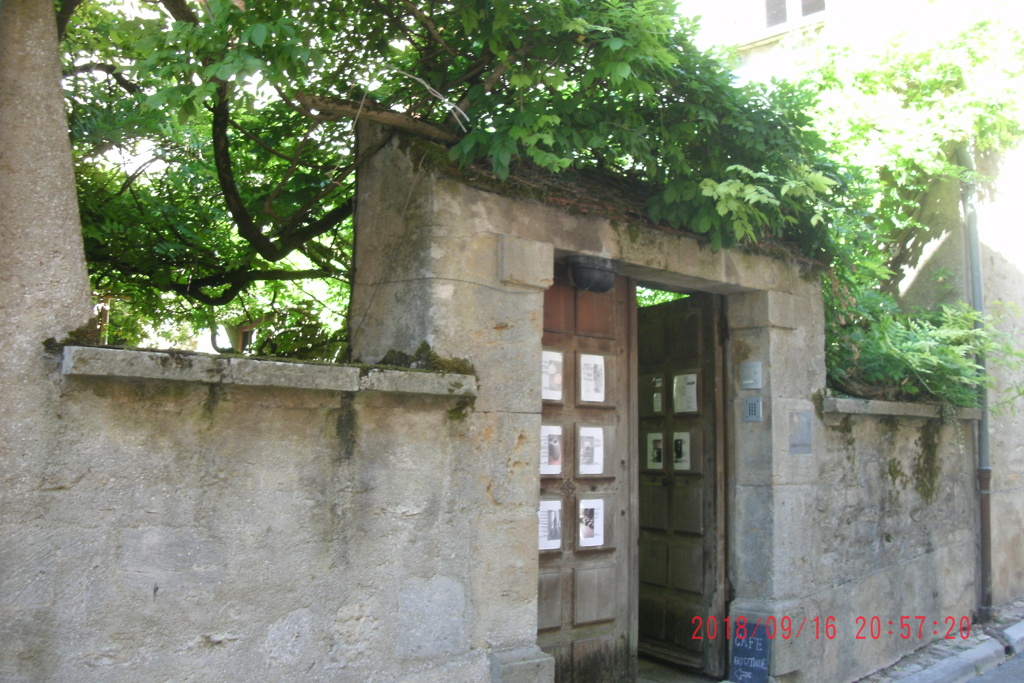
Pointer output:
x,y
184,367
293,375
431,619
985,656
411,382
522,665
525,262
1015,636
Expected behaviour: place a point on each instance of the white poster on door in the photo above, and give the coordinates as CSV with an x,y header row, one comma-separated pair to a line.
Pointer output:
x,y
591,450
655,451
684,394
551,376
550,449
681,451
591,378
549,525
591,522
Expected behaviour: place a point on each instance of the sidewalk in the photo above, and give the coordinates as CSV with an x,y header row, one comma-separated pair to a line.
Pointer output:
x,y
951,661
944,661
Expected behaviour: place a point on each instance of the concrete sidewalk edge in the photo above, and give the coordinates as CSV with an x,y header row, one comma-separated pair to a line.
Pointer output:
x,y
999,643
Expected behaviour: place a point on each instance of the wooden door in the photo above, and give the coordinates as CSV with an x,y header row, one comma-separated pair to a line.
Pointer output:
x,y
586,527
681,487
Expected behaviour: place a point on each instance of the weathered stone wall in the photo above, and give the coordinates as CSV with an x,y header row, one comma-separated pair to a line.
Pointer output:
x,y
205,519
1004,295
897,535
839,508
180,516
824,521
942,278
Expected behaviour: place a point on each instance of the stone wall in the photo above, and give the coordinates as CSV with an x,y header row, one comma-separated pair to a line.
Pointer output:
x,y
942,278
181,516
1004,294
830,514
897,505
842,508
197,518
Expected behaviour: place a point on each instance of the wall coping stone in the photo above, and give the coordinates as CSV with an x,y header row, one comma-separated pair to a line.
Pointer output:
x,y
860,406
87,361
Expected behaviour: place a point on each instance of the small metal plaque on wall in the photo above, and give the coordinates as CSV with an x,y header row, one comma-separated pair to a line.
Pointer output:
x,y
752,409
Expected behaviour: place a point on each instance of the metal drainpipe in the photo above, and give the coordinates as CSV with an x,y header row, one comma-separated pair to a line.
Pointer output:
x,y
965,159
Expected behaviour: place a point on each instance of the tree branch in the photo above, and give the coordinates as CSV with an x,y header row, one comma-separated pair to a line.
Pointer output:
x,y
431,27
318,227
354,110
262,143
109,69
180,11
237,281
247,227
65,10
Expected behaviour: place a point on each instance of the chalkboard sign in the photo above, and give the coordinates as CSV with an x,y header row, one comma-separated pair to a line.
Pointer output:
x,y
749,660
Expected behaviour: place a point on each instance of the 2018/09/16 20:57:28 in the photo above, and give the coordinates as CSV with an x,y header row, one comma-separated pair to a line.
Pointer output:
x,y
865,628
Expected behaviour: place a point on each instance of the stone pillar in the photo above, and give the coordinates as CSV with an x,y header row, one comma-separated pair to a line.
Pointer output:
x,y
428,269
774,467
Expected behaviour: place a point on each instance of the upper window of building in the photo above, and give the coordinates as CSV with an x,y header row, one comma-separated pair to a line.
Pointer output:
x,y
779,12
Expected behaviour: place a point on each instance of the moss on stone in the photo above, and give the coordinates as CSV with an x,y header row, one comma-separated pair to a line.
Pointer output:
x,y
462,409
894,470
926,467
425,358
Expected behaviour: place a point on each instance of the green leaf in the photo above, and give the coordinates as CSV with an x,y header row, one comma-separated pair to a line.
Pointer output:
x,y
258,34
620,70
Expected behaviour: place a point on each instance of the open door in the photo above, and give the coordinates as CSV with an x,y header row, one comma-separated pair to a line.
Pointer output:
x,y
681,483
586,522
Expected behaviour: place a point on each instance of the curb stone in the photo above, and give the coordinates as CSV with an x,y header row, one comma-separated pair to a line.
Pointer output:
x,y
957,661
1015,637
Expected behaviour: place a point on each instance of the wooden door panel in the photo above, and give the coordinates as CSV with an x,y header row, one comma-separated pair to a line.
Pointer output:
x,y
680,496
598,659
654,563
687,515
654,514
652,619
549,598
586,611
682,558
593,586
595,315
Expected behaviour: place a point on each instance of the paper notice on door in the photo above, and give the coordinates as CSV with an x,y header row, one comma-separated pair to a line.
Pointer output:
x,y
591,378
591,522
550,449
681,451
549,525
591,450
551,376
655,451
684,394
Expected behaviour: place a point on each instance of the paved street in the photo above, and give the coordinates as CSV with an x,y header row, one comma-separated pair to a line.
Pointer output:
x,y
1010,672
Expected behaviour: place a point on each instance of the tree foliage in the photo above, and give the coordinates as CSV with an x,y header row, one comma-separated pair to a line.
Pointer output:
x,y
215,151
903,120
